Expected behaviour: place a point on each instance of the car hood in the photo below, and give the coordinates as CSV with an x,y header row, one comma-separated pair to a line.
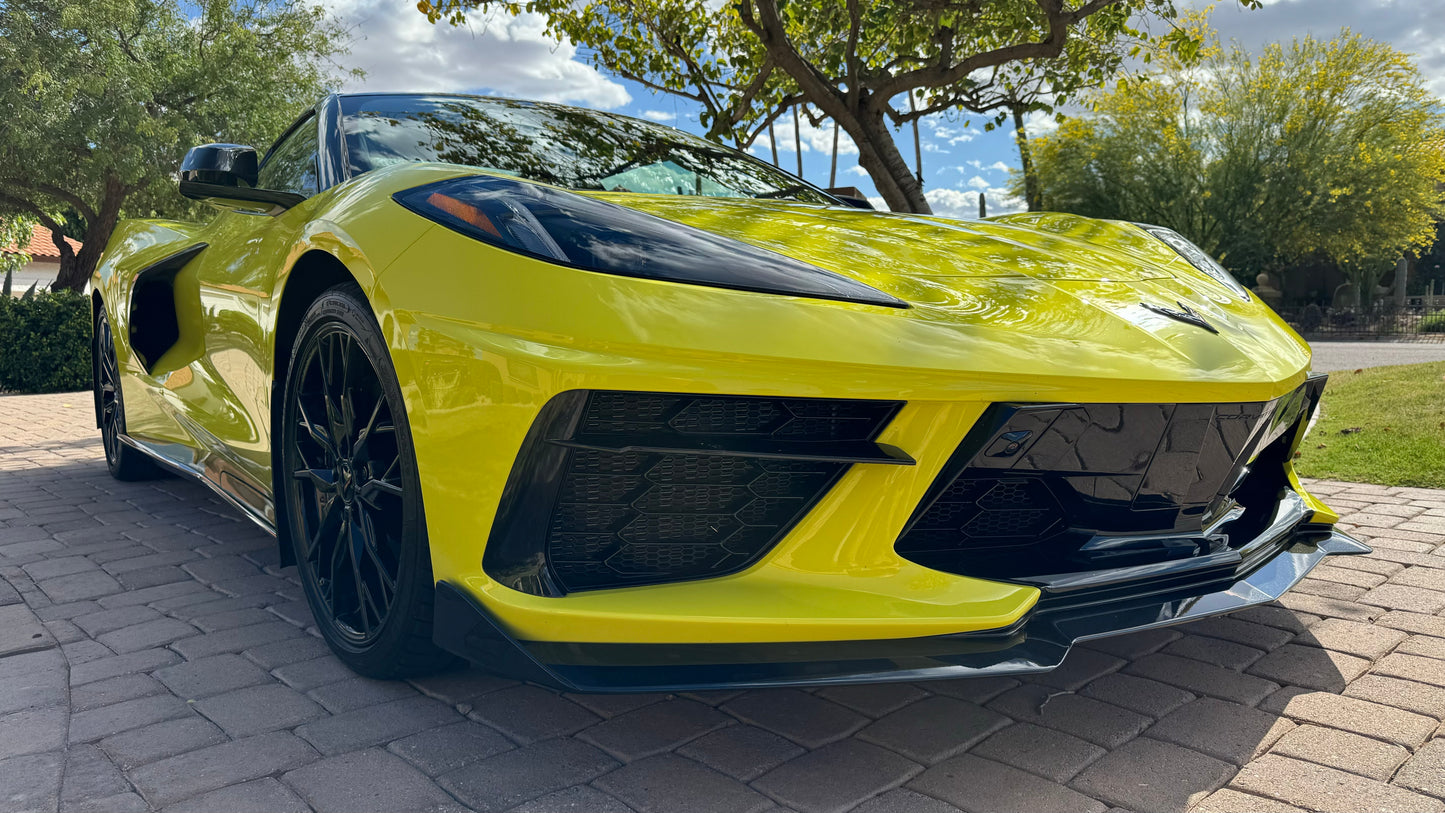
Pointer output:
x,y
876,246
1057,285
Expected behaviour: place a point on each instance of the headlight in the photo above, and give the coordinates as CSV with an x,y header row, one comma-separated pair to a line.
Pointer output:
x,y
1197,258
594,235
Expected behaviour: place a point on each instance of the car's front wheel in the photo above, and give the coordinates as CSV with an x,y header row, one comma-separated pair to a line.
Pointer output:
x,y
352,499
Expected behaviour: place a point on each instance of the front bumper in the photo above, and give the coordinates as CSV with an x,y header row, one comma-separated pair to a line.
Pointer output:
x,y
1263,570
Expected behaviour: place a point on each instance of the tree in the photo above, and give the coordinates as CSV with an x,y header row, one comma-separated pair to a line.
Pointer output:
x,y
856,62
14,231
103,97
1328,150
1088,61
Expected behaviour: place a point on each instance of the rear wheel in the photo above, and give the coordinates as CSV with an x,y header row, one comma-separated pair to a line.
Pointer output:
x,y
124,462
351,495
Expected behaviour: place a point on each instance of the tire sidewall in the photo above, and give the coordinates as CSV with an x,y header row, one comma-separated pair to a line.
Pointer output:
x,y
115,450
346,306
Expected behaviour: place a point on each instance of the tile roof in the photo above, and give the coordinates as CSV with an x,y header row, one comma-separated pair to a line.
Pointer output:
x,y
41,246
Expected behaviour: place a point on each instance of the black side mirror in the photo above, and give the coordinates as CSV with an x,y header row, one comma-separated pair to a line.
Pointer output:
x,y
221,164
224,175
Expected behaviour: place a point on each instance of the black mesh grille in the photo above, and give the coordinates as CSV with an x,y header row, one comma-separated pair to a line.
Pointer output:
x,y
627,518
732,416
1033,484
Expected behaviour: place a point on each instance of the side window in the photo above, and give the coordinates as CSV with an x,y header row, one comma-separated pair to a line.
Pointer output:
x,y
291,166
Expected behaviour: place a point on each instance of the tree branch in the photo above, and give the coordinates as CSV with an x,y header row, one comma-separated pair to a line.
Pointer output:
x,y
941,73
73,199
45,220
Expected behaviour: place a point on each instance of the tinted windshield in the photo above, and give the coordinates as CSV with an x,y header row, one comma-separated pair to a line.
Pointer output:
x,y
564,146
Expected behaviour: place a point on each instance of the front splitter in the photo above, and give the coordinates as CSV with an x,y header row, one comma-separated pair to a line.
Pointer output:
x,y
1038,644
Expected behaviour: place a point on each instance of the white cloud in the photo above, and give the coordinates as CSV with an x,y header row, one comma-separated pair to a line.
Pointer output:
x,y
659,115
954,133
1038,123
978,182
509,56
999,166
814,139
963,204
856,170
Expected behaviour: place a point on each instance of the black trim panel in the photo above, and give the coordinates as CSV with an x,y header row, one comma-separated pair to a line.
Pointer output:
x,y
216,476
267,201
838,451
1038,644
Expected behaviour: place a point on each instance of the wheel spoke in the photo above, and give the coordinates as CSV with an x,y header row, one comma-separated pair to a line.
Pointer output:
x,y
334,562
323,480
374,489
357,543
374,553
317,433
328,527
362,450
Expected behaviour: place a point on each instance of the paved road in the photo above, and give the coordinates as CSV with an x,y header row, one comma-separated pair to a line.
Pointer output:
x,y
1331,356
153,656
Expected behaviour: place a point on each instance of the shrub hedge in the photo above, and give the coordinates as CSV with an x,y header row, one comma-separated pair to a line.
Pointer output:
x,y
45,342
1433,323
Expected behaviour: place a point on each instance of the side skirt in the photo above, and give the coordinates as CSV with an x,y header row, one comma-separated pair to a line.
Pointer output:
x,y
212,473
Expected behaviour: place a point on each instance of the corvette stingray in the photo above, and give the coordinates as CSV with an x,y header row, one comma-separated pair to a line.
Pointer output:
x,y
593,402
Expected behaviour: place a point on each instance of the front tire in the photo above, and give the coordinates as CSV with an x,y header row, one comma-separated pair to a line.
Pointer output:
x,y
352,499
124,462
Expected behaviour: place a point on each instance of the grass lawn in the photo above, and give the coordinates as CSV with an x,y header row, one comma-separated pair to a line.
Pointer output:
x,y
1383,425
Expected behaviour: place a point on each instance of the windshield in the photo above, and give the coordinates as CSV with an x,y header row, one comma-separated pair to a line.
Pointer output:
x,y
563,146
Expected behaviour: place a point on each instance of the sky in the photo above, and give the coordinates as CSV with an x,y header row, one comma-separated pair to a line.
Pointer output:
x,y
512,56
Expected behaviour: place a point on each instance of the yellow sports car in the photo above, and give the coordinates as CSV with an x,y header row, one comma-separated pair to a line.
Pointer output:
x,y
596,403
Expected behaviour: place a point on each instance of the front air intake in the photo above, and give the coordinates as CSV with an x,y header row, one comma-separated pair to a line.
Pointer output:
x,y
618,489
1039,490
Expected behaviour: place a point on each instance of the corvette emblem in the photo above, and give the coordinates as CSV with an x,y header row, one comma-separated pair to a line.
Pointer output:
x,y
1185,314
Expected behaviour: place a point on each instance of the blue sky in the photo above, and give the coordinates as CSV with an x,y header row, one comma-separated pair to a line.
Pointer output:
x,y
513,57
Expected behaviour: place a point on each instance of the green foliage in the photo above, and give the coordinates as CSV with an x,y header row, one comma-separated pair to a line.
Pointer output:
x,y
14,231
1433,322
102,98
46,337
857,62
1318,150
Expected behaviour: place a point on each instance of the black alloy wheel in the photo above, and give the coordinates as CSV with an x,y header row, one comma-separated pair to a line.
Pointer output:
x,y
124,462
351,496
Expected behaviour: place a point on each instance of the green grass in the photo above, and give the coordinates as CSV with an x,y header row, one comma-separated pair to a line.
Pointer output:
x,y
1400,415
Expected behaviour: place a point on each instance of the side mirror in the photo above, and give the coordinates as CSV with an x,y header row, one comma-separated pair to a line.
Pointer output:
x,y
221,164
224,175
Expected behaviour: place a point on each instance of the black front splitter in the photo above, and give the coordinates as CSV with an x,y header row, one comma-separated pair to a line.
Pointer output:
x,y
1037,644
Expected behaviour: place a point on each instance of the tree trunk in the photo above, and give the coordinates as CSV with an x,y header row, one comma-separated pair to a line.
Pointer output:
x,y
1033,196
878,154
76,268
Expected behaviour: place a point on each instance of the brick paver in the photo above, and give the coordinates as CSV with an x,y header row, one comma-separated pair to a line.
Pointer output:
x,y
153,655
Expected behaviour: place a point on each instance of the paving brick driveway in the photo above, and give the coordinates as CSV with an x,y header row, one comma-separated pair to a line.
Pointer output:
x,y
153,656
